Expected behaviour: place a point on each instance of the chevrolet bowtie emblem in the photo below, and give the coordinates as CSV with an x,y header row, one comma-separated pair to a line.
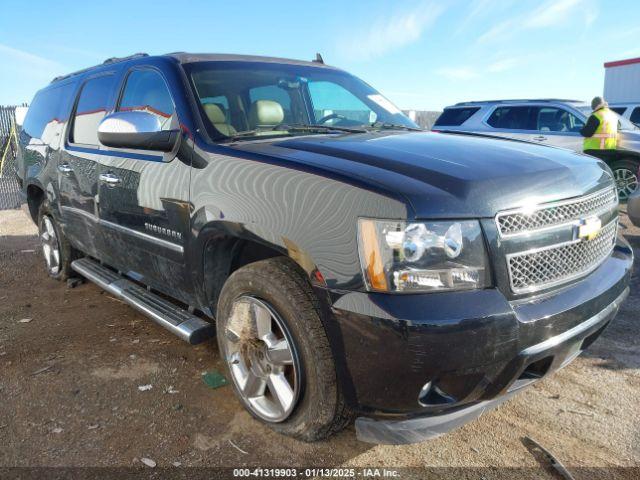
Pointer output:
x,y
589,228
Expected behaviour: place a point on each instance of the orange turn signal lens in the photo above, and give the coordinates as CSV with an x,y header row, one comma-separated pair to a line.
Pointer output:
x,y
371,255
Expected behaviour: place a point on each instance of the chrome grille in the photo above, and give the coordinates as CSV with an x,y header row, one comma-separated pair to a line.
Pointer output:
x,y
541,268
520,221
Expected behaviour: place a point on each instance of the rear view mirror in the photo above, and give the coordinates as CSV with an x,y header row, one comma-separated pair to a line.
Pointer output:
x,y
135,129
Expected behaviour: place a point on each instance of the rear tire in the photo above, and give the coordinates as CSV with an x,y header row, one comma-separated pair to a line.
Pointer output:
x,y
625,174
58,253
271,299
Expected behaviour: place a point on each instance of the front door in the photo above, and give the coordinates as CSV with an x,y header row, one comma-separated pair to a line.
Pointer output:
x,y
79,162
557,127
144,195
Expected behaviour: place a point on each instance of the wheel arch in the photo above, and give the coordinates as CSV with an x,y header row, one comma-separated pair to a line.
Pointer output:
x,y
629,155
226,247
35,196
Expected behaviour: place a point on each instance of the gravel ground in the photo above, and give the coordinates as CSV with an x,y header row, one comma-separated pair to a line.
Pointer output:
x,y
72,362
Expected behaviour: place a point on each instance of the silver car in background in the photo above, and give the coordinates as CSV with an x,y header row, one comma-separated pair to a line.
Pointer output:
x,y
554,122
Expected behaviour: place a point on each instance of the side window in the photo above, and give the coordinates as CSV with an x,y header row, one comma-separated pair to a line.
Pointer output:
x,y
47,114
454,117
330,98
635,116
511,118
91,109
619,110
275,93
146,91
553,119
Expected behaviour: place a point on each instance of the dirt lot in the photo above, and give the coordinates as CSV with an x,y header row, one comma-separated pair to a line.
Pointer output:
x,y
71,362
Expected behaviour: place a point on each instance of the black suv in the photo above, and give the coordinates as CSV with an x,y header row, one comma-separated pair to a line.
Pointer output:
x,y
354,265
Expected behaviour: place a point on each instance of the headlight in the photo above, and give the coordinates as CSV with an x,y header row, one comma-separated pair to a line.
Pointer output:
x,y
427,256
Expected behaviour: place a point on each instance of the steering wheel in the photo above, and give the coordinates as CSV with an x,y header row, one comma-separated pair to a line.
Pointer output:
x,y
331,116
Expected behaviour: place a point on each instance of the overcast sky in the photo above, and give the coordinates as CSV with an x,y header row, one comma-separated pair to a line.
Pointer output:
x,y
421,54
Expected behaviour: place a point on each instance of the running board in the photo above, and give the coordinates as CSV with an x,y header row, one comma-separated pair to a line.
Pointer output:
x,y
188,327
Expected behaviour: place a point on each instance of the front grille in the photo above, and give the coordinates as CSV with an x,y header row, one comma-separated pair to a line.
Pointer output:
x,y
542,268
521,221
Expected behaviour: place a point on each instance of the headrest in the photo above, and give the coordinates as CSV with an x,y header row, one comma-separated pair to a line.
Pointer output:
x,y
214,113
265,113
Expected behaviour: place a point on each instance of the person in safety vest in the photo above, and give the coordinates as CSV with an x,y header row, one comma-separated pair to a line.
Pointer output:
x,y
601,130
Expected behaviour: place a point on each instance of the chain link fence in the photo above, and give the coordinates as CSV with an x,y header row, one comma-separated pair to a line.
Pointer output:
x,y
9,188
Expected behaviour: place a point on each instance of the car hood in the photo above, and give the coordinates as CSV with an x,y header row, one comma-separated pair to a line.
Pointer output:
x,y
447,175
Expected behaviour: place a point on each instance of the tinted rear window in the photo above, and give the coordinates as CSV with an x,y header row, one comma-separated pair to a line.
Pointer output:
x,y
48,110
635,116
454,117
513,118
91,109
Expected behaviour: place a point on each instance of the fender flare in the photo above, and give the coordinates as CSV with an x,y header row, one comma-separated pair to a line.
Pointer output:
x,y
217,245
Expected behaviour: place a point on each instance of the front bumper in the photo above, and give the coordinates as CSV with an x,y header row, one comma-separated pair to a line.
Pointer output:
x,y
562,348
416,366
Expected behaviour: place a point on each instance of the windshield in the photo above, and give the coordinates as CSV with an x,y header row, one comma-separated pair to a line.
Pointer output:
x,y
258,99
624,123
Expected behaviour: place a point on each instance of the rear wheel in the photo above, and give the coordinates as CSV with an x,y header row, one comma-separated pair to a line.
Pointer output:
x,y
273,343
625,174
58,253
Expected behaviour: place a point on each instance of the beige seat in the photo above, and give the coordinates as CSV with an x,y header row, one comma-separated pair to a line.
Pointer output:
x,y
218,119
265,114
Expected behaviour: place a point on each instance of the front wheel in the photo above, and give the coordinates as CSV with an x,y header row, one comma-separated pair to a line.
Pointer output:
x,y
276,351
625,174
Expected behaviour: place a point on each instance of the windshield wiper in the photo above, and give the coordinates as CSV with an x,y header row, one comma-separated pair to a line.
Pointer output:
x,y
394,126
311,127
301,127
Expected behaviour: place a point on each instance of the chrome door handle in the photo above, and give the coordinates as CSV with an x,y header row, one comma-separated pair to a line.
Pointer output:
x,y
65,168
109,178
540,138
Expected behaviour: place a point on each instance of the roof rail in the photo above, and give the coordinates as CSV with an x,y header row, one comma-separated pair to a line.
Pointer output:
x,y
111,60
481,102
108,61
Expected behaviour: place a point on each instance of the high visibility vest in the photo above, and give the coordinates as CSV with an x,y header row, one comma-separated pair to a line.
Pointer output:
x,y
606,136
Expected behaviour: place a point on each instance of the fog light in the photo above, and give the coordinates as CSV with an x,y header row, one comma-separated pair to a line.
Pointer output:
x,y
430,396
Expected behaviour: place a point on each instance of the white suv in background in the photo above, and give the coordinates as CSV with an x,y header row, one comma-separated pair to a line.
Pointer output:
x,y
552,122
630,111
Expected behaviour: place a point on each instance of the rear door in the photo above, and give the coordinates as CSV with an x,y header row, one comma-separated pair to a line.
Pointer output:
x,y
144,209
511,121
79,162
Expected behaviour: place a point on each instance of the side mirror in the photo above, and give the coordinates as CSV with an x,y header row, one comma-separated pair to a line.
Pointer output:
x,y
136,129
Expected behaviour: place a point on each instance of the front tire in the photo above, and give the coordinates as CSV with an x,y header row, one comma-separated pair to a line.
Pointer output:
x,y
625,174
58,253
276,351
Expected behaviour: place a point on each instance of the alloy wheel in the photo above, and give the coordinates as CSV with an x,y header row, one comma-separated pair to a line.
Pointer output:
x,y
262,359
50,245
626,182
